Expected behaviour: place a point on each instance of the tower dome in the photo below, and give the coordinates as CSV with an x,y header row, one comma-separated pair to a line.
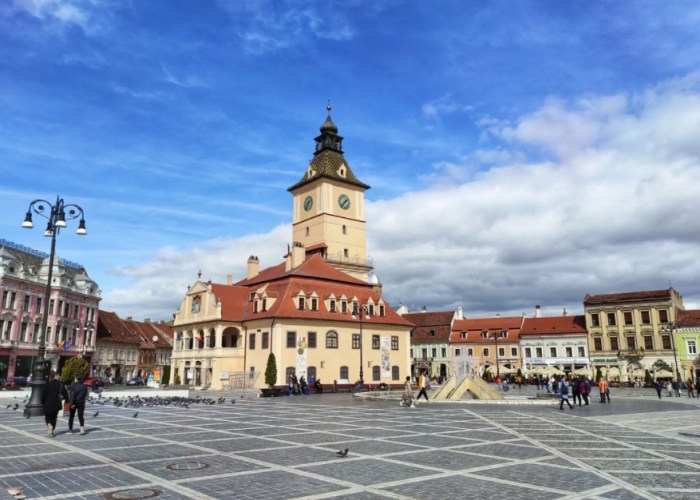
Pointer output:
x,y
372,278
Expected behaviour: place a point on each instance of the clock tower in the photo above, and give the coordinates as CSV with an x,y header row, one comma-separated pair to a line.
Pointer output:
x,y
329,207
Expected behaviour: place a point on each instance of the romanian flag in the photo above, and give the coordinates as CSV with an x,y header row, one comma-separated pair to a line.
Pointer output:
x,y
62,344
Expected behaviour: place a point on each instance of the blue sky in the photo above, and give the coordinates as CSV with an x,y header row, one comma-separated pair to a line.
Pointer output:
x,y
178,126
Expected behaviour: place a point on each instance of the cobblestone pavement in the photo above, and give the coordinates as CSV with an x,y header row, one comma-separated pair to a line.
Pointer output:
x,y
284,448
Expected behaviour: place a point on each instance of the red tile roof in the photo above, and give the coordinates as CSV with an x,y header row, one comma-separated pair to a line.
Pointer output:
x,y
689,318
431,326
618,297
313,267
557,325
473,329
111,328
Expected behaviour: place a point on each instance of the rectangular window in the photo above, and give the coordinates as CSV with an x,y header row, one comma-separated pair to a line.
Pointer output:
x,y
23,333
485,352
581,352
251,341
5,294
38,304
255,306
355,340
66,310
552,352
355,309
538,352
692,348
376,373
411,353
501,351
26,303
645,318
665,342
433,352
424,353
395,343
595,320
458,352
597,344
302,303
513,351
370,310
291,340
312,340
528,352
382,312
443,352
52,303
631,344
13,298
395,373
264,305
648,342
76,311
314,304
344,307
611,319
265,341
332,304
569,352
613,344
375,341
663,316
628,318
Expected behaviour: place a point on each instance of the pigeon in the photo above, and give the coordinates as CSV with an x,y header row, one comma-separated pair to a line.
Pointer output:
x,y
9,406
342,453
233,401
96,413
136,414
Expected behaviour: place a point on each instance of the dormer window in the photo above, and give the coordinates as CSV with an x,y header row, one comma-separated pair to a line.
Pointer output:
x,y
503,334
344,307
255,306
264,305
252,296
314,304
332,306
342,172
302,303
355,308
432,332
371,309
382,311
463,335
484,335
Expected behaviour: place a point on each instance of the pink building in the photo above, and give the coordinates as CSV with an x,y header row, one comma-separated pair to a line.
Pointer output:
x,y
73,310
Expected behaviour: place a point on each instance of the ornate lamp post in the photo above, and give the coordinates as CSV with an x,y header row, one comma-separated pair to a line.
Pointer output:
x,y
57,215
672,327
494,336
363,312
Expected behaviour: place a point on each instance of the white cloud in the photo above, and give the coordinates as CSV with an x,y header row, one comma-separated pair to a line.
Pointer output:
x,y
61,13
433,110
589,196
187,82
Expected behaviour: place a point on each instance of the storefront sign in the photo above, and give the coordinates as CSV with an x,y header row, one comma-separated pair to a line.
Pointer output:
x,y
604,360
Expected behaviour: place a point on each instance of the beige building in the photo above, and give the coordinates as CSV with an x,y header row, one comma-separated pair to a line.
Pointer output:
x,y
626,333
320,311
493,343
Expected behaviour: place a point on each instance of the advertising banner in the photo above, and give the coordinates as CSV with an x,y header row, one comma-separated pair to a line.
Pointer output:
x,y
386,357
301,356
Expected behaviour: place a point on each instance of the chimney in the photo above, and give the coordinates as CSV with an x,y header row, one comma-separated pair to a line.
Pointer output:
x,y
424,309
298,254
229,279
147,320
459,315
129,318
253,267
538,312
564,311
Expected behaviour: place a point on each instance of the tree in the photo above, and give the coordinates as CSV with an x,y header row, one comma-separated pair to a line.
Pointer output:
x,y
648,379
165,377
271,371
598,374
74,368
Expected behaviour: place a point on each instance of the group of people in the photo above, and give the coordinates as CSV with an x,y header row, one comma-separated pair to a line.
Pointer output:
x,y
407,398
298,386
673,387
56,396
580,388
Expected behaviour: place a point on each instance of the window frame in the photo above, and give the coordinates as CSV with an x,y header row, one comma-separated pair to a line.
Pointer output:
x,y
291,335
251,341
312,340
330,335
376,342
394,342
344,373
376,373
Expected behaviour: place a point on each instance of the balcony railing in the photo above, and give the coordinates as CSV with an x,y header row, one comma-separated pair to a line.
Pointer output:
x,y
339,257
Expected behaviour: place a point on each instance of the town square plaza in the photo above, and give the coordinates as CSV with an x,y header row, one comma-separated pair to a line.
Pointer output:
x,y
245,447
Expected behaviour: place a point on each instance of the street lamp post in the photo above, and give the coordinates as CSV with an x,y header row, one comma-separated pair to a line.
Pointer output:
x,y
57,215
360,313
498,369
672,327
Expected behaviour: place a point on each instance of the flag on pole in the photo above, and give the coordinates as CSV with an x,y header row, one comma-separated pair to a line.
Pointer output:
x,y
66,345
61,344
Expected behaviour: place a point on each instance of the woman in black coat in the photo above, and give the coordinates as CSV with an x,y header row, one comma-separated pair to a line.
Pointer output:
x,y
54,391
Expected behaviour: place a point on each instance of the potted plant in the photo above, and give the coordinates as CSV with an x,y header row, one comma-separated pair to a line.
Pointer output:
x,y
270,378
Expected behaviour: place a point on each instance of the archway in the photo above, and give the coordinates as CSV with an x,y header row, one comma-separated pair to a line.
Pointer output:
x,y
231,337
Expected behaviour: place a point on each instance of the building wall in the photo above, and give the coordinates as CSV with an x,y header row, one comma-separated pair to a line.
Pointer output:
x,y
419,358
532,358
486,353
688,348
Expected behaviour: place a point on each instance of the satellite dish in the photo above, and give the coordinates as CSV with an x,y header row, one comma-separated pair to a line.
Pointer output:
x,y
155,338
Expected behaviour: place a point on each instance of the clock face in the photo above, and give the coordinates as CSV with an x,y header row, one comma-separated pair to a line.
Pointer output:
x,y
308,203
344,201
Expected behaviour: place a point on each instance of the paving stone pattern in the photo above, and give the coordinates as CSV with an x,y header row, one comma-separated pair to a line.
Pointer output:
x,y
284,448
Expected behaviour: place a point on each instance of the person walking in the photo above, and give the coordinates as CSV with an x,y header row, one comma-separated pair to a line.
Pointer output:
x,y
575,393
676,388
78,395
659,387
421,386
669,388
52,398
584,388
603,386
690,386
564,393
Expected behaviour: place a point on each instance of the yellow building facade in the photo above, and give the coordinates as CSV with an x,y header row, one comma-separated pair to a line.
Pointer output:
x,y
320,311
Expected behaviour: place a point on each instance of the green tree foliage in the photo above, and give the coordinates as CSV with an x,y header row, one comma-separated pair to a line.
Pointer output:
x,y
271,370
598,374
648,379
165,377
74,368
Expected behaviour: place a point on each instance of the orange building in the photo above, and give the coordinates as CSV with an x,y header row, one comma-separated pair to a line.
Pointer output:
x,y
494,343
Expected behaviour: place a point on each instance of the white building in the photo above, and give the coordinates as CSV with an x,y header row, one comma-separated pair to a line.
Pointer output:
x,y
560,342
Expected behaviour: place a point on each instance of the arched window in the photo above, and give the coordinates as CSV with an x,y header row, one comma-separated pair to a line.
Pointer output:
x,y
288,373
395,373
344,373
311,373
376,375
332,340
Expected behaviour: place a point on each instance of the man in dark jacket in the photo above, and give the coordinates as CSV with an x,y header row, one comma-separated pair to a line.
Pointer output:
x,y
78,395
51,396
